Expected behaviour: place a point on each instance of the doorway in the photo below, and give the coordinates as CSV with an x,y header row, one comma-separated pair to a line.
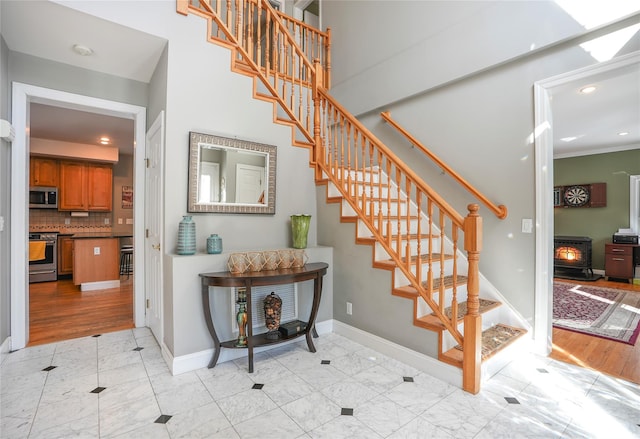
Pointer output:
x,y
23,96
543,91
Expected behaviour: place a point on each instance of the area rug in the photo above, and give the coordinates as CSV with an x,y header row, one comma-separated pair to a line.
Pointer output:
x,y
601,312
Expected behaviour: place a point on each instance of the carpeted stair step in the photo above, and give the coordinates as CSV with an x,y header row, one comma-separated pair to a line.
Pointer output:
x,y
494,340
431,321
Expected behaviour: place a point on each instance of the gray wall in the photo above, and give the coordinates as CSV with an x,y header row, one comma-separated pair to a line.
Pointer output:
x,y
459,76
5,209
122,176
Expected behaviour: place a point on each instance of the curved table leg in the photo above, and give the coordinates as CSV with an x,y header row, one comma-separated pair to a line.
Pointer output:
x,y
212,330
317,292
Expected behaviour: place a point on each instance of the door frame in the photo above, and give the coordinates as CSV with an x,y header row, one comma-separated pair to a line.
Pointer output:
x,y
543,139
22,96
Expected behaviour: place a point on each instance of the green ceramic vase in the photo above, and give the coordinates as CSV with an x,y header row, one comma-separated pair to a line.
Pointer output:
x,y
300,230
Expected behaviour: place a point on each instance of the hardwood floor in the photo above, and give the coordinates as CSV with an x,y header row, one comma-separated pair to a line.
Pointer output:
x,y
60,311
610,357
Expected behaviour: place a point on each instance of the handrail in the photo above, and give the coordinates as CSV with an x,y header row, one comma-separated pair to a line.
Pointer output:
x,y
500,211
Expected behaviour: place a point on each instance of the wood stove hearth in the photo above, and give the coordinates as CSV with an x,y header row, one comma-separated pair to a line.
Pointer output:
x,y
572,258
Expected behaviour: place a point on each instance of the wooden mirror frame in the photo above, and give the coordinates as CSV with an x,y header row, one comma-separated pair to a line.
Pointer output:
x,y
196,140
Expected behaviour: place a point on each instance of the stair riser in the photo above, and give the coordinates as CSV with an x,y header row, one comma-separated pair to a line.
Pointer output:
x,y
400,279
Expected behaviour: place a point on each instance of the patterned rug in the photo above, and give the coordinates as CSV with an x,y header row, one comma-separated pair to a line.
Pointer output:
x,y
601,312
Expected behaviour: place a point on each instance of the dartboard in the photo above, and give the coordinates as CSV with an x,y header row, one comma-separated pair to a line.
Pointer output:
x,y
576,196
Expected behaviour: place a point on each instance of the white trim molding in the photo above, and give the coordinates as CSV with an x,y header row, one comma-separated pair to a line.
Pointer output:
x,y
22,96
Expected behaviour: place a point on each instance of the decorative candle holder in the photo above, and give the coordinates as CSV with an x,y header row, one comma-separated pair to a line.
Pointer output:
x,y
241,318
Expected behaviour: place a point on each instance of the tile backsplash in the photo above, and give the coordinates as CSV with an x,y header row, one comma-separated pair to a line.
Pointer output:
x,y
50,220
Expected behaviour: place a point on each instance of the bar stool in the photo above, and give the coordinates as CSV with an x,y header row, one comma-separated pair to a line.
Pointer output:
x,y
126,260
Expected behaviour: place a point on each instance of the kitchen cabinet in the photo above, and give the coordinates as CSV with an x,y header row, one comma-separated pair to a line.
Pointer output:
x,y
619,260
43,172
85,186
65,255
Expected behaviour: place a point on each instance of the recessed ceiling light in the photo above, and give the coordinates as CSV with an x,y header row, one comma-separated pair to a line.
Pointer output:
x,y
105,140
588,89
82,50
623,133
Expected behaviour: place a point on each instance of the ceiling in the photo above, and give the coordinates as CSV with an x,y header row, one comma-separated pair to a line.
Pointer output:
x,y
595,119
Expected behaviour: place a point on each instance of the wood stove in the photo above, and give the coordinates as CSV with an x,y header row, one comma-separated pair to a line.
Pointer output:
x,y
572,258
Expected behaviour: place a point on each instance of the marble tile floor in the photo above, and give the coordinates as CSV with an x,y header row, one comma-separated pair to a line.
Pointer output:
x,y
117,385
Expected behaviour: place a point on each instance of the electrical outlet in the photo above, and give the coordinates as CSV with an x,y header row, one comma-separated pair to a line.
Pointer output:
x,y
96,251
67,221
527,225
129,221
106,221
1,224
119,220
349,308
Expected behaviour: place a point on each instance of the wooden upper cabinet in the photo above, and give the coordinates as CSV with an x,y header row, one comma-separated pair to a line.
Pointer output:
x,y
100,187
43,172
85,186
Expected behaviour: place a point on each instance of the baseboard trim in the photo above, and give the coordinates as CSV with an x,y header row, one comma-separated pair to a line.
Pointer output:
x,y
5,348
198,360
101,285
432,366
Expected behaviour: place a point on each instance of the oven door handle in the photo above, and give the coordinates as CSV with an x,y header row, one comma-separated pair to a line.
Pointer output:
x,y
42,272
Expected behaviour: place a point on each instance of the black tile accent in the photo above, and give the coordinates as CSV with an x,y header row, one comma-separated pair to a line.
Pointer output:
x,y
47,369
325,362
163,419
346,412
138,349
541,370
257,386
96,336
511,400
98,390
407,379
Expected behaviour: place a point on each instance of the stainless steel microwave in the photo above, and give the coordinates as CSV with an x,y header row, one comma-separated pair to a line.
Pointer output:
x,y
43,197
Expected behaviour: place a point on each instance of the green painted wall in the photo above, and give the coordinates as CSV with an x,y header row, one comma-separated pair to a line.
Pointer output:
x,y
601,222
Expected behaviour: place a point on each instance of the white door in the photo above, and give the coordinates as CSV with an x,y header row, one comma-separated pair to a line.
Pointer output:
x,y
249,184
153,227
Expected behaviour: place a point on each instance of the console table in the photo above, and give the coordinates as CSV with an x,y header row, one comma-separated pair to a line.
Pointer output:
x,y
312,271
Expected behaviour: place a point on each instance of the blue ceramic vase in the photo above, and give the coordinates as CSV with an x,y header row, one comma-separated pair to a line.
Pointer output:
x,y
186,236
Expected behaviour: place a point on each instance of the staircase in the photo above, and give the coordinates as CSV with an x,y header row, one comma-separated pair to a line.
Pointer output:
x,y
431,250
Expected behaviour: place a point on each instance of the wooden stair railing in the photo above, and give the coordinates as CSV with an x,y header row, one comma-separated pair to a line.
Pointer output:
x,y
500,211
394,203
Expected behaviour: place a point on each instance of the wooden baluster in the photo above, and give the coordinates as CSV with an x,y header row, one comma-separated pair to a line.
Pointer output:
x,y
419,196
398,221
408,235
389,228
317,147
454,301
229,15
430,254
441,226
472,343
327,67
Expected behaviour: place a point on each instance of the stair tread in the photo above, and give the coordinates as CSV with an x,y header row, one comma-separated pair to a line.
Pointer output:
x,y
494,340
433,320
404,237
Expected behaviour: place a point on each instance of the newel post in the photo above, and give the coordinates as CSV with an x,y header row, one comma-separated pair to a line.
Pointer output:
x,y
472,345
317,148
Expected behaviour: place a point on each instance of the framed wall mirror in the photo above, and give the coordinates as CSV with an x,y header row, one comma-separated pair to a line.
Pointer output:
x,y
231,175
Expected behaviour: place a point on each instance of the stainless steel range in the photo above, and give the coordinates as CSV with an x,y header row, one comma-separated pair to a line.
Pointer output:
x,y
44,269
